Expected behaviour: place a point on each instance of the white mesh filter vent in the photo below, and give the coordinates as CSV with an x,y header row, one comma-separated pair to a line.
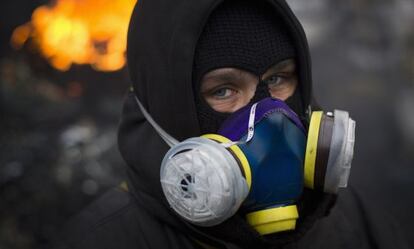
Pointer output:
x,y
202,181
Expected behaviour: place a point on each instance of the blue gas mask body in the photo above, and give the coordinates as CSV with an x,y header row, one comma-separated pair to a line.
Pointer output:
x,y
275,153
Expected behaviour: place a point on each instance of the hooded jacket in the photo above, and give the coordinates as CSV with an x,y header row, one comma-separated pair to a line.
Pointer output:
x,y
161,44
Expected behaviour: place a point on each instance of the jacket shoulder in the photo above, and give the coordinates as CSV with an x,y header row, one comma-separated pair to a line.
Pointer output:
x,y
106,223
116,220
355,222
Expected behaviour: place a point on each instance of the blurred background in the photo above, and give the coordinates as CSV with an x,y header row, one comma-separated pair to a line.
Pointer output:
x,y
63,78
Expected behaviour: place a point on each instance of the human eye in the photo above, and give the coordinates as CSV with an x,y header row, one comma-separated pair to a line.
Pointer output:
x,y
222,93
273,80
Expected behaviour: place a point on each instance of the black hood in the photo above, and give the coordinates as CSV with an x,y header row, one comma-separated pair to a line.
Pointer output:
x,y
162,39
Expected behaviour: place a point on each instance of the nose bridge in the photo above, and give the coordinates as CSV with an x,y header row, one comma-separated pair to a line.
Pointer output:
x,y
261,92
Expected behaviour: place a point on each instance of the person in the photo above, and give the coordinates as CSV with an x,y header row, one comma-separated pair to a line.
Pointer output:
x,y
194,67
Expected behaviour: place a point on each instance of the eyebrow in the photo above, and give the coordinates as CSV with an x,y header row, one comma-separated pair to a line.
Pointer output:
x,y
282,65
227,75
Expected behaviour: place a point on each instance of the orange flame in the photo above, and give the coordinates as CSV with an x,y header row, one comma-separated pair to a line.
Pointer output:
x,y
79,32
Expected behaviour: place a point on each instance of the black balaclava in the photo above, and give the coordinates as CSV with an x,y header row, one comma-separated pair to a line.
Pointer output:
x,y
245,35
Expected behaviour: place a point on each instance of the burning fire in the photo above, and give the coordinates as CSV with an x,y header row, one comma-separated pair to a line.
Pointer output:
x,y
79,31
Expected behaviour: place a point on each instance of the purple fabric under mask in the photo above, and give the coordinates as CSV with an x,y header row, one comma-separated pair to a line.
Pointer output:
x,y
235,127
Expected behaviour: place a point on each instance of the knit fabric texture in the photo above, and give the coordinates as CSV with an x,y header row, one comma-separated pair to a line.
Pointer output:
x,y
245,35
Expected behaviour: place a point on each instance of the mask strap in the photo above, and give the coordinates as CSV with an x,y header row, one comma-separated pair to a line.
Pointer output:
x,y
163,134
250,128
172,141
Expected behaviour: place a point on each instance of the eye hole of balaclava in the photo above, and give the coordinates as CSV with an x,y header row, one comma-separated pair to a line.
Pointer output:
x,y
240,34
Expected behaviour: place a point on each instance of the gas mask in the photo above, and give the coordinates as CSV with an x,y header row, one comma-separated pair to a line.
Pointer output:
x,y
258,162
